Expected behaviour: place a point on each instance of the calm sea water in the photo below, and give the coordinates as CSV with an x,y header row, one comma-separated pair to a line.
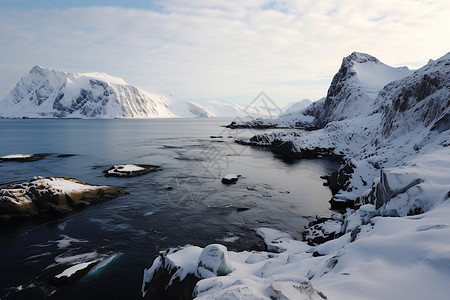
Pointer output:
x,y
127,232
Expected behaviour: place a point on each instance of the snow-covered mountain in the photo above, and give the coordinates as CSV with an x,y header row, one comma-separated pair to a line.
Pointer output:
x,y
390,127
354,88
46,93
225,109
352,93
199,111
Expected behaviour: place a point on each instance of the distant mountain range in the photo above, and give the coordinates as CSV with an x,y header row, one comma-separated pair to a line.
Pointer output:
x,y
47,93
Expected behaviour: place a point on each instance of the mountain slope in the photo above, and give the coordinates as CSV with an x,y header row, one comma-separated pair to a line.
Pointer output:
x,y
418,101
224,109
352,93
354,88
46,93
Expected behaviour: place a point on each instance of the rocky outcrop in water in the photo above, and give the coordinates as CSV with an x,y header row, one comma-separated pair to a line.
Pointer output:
x,y
24,157
284,146
230,179
51,196
130,170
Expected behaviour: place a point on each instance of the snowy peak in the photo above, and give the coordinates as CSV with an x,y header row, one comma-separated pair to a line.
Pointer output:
x,y
359,57
354,88
47,93
40,71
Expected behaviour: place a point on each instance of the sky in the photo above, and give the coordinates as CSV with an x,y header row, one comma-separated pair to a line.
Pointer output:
x,y
225,50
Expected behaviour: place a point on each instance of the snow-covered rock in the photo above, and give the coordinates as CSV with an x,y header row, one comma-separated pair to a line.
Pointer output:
x,y
24,157
46,93
214,261
389,258
235,275
230,178
53,195
130,170
275,240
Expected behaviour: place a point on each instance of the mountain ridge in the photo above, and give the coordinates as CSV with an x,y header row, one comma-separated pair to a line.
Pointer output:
x,y
48,93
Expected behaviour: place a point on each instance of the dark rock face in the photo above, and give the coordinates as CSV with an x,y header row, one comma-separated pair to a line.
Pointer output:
x,y
326,110
340,179
322,230
230,179
158,288
51,196
288,149
162,280
165,284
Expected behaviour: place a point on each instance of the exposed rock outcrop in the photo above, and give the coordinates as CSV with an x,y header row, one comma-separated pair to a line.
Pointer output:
x,y
24,157
130,170
49,196
230,179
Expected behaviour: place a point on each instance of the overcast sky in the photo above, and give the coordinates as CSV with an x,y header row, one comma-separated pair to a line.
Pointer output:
x,y
198,51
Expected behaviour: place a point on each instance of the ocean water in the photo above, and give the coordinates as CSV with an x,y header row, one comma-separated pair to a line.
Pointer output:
x,y
183,203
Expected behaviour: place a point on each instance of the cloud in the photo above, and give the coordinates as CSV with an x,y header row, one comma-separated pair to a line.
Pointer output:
x,y
228,50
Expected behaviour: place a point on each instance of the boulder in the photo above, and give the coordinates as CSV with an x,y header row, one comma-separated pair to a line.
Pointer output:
x,y
24,157
230,179
53,195
130,170
322,230
214,261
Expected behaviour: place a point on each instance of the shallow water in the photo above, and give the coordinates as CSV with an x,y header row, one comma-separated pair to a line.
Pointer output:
x,y
126,233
